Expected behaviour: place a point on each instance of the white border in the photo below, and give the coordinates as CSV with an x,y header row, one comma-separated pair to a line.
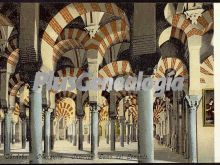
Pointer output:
x,y
217,80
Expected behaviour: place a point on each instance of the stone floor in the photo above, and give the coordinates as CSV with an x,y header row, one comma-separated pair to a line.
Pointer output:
x,y
65,152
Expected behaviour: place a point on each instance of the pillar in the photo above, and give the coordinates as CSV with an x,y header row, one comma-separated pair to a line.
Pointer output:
x,y
180,133
36,125
13,132
132,132
94,130
47,132
74,133
128,132
52,132
112,122
107,132
69,129
89,134
80,132
112,117
145,126
168,121
0,133
7,129
122,125
192,104
58,130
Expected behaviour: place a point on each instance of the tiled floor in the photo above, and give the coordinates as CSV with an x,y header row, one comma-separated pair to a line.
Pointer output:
x,y
65,152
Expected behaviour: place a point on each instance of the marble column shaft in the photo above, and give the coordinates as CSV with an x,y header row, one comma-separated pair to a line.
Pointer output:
x,y
7,129
94,130
36,125
80,132
47,132
145,126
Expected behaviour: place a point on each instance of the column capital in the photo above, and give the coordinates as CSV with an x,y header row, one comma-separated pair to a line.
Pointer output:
x,y
121,118
23,115
7,110
49,110
193,101
93,106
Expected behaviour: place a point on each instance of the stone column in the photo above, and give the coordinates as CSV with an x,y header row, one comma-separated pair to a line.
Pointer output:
x,y
36,125
168,121
180,115
145,126
89,133
94,129
0,132
112,117
134,132
13,132
107,132
19,132
68,133
7,129
128,132
192,102
74,131
52,131
58,130
47,132
80,114
122,126
80,132
112,135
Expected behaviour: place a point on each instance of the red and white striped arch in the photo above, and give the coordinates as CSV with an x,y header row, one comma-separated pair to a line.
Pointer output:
x,y
114,69
68,14
65,94
14,84
103,113
64,109
16,112
12,53
111,33
206,68
122,94
64,46
133,110
173,32
205,23
159,106
81,36
71,72
171,63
